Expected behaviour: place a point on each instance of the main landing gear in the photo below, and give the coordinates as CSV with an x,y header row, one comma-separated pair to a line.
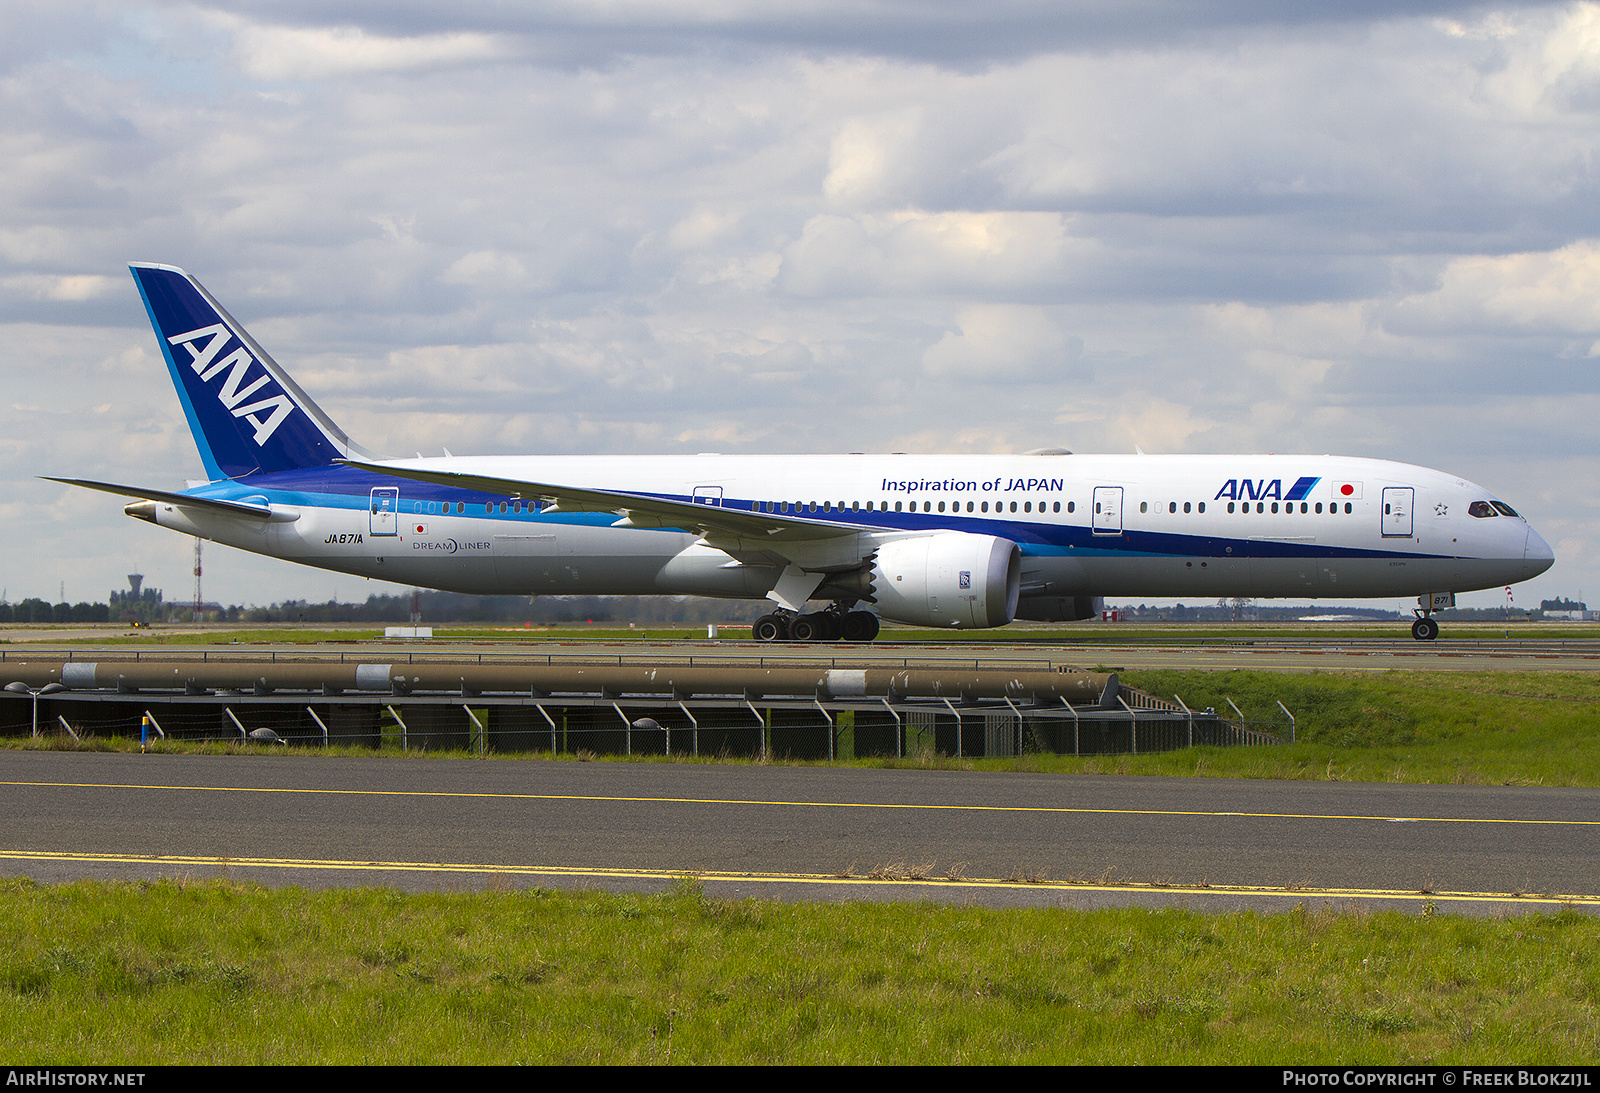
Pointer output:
x,y
1426,628
832,624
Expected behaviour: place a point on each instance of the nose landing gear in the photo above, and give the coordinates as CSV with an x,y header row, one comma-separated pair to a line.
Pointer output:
x,y
1425,628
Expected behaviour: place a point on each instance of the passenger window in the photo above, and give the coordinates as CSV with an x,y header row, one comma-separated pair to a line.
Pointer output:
x,y
1348,508
1144,506
1056,507
1230,506
897,505
941,506
1013,506
1319,508
1202,506
1172,506
1027,506
1186,506
969,506
986,506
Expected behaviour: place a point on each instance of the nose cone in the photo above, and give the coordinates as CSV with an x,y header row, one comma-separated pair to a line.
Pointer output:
x,y
1537,555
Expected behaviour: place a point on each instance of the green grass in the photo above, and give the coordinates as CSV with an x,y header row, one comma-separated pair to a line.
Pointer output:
x,y
139,974
1442,727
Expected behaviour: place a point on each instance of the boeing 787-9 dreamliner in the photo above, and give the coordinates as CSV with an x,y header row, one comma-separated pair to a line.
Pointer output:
x,y
954,541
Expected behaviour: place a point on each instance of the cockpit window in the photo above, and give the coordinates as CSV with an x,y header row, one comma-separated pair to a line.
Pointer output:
x,y
1505,509
1480,509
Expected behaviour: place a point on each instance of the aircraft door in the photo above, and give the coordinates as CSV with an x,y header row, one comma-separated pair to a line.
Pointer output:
x,y
1397,511
708,495
385,510
1108,510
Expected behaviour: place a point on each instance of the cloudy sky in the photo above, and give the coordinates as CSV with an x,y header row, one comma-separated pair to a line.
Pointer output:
x,y
909,225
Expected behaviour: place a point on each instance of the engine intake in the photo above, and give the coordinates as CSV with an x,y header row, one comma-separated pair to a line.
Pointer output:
x,y
951,578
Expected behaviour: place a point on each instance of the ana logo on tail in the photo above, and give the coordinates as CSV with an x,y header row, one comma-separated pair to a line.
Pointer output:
x,y
203,359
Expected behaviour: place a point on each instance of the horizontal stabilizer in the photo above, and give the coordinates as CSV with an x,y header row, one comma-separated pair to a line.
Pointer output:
x,y
235,508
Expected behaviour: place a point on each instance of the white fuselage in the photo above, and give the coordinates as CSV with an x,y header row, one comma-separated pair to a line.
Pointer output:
x,y
1087,525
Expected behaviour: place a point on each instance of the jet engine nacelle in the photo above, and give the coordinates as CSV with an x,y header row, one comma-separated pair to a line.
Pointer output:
x,y
951,578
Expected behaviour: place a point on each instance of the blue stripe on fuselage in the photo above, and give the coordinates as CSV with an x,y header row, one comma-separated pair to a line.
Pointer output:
x,y
344,487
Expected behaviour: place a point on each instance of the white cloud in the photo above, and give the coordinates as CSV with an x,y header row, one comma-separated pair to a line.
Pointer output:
x,y
60,287
916,251
270,51
866,163
485,270
1556,291
1004,343
574,227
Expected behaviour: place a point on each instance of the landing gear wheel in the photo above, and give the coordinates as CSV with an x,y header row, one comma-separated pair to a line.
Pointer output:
x,y
858,626
812,628
770,628
1424,629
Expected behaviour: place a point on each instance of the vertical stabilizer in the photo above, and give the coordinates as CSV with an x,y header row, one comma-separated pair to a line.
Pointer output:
x,y
247,415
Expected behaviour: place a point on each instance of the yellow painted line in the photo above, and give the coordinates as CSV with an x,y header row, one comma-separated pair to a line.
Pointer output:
x,y
191,861
916,805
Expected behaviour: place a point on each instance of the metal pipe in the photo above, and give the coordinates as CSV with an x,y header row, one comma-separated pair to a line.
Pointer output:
x,y
539,680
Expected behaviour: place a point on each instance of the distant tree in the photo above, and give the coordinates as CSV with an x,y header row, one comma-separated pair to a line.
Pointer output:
x,y
33,609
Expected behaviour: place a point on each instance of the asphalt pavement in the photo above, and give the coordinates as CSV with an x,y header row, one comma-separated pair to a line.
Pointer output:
x,y
953,836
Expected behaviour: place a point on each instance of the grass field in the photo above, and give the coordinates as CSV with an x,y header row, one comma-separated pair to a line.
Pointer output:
x,y
1075,634
130,974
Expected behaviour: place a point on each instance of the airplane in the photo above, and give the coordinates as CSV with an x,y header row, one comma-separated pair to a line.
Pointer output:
x,y
950,541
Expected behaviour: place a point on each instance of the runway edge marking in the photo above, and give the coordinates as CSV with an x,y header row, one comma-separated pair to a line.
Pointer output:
x,y
989,883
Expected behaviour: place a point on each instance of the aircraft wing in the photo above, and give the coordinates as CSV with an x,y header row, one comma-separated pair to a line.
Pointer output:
x,y
640,510
233,508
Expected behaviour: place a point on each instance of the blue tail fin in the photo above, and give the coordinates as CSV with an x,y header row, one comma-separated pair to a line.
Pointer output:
x,y
247,415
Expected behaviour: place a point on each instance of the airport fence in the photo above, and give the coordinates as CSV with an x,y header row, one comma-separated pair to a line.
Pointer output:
x,y
732,728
